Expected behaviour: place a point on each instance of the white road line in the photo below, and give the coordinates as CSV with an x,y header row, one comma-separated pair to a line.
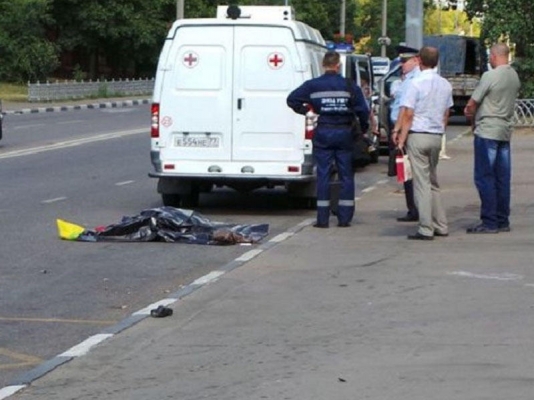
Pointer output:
x,y
369,189
203,280
27,126
281,237
10,390
117,110
84,347
53,200
71,143
75,121
498,277
124,183
249,255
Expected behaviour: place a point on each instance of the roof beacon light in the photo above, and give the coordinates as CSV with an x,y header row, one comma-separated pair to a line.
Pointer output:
x,y
233,12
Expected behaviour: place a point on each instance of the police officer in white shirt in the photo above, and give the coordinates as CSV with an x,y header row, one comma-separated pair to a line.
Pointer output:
x,y
426,104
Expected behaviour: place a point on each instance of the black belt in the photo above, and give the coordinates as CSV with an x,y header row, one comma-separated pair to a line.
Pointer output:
x,y
426,133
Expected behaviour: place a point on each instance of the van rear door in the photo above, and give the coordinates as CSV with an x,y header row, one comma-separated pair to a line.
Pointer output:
x,y
266,68
195,106
224,95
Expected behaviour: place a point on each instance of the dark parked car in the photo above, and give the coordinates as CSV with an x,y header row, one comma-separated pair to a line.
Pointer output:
x,y
382,102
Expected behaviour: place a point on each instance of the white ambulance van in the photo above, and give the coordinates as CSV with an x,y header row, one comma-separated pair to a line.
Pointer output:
x,y
219,112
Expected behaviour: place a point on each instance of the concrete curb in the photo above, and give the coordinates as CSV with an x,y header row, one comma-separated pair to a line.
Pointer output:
x,y
109,104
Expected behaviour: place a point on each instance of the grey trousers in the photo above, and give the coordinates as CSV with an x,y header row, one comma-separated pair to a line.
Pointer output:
x,y
423,150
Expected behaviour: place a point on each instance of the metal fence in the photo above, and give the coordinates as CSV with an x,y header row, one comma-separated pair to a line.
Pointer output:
x,y
68,90
524,113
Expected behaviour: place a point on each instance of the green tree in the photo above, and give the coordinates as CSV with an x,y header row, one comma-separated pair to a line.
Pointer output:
x,y
369,22
508,21
322,15
25,51
438,21
124,35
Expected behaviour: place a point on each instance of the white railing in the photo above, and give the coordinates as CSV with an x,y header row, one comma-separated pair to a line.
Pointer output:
x,y
524,113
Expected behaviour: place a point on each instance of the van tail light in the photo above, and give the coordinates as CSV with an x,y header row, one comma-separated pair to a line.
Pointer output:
x,y
154,125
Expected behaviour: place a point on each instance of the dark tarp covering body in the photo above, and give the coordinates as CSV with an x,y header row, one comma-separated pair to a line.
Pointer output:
x,y
176,225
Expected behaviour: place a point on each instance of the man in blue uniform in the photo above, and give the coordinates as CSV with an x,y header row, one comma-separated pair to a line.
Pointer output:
x,y
337,101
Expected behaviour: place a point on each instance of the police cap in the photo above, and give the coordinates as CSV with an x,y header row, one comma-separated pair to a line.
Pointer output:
x,y
406,52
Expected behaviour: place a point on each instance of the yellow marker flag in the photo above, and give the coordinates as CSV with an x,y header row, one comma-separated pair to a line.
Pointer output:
x,y
68,230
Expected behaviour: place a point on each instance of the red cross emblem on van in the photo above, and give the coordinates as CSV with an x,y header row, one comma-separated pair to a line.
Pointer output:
x,y
276,60
190,59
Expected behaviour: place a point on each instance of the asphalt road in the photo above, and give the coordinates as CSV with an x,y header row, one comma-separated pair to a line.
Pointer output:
x,y
90,167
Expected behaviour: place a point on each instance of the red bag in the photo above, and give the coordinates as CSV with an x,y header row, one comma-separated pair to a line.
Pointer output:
x,y
404,168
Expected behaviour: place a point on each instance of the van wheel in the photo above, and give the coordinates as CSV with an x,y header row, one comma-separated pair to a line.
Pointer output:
x,y
191,200
306,203
171,199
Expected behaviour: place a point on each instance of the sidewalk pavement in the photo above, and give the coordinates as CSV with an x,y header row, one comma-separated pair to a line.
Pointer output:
x,y
16,107
342,313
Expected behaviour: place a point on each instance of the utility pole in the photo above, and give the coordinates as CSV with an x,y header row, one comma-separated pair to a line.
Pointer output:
x,y
180,9
383,40
342,19
384,27
414,23
439,17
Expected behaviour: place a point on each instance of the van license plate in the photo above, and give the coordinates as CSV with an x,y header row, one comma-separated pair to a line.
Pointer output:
x,y
191,141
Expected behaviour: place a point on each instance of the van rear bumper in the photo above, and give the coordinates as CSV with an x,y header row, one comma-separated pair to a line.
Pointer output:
x,y
221,171
224,177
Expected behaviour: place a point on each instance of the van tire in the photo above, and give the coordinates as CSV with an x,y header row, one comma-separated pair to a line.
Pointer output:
x,y
305,203
191,200
180,200
171,199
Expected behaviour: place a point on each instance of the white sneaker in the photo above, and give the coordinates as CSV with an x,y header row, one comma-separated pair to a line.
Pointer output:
x,y
444,157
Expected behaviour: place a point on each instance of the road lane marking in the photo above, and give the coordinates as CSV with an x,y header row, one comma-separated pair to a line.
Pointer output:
x,y
281,237
27,126
71,143
249,255
21,360
208,278
84,347
498,277
56,320
124,183
53,200
74,121
10,391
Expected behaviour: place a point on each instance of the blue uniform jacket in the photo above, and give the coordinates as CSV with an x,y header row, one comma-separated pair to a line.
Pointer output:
x,y
330,98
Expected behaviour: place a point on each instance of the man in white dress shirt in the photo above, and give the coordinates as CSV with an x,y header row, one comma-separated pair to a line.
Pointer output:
x,y
426,104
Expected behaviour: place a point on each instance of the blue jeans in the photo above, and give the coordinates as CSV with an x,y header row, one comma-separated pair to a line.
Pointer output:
x,y
493,170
